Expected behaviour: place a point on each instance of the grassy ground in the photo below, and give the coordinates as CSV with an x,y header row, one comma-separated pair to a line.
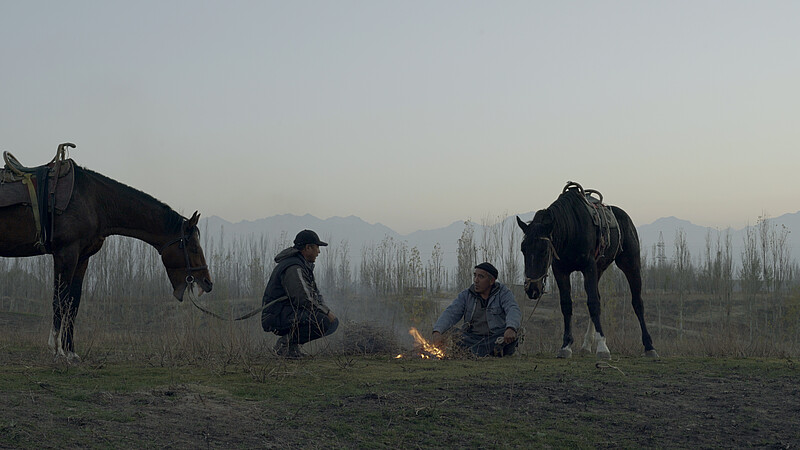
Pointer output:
x,y
167,376
381,402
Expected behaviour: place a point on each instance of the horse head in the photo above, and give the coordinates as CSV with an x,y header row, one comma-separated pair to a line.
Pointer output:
x,y
184,260
538,251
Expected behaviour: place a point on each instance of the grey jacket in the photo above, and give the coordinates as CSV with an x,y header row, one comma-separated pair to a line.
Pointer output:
x,y
502,311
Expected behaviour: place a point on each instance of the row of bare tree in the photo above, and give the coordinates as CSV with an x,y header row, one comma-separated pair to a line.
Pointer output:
x,y
762,279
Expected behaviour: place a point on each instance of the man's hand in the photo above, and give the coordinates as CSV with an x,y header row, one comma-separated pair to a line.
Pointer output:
x,y
437,339
509,336
331,316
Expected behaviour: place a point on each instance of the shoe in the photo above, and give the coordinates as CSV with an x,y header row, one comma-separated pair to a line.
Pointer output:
x,y
286,350
295,352
282,346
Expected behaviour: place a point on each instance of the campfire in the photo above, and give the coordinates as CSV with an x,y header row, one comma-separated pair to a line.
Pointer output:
x,y
422,348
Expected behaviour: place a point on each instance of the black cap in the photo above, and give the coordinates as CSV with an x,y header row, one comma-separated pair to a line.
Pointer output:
x,y
306,237
489,268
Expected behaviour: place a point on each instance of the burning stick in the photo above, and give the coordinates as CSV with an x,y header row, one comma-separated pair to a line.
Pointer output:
x,y
422,347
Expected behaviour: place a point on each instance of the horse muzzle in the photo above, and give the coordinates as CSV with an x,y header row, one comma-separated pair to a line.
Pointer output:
x,y
533,288
205,284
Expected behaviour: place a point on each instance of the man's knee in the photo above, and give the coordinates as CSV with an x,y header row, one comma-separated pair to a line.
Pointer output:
x,y
322,325
510,348
331,326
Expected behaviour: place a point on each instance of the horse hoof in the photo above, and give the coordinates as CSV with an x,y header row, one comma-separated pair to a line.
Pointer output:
x,y
651,354
564,353
73,358
603,355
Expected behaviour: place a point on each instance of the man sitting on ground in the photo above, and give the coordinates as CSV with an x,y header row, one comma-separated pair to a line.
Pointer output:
x,y
490,313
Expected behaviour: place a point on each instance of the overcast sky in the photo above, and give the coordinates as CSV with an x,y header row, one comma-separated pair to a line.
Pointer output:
x,y
414,114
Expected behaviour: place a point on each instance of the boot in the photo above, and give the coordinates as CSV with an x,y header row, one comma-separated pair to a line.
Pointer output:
x,y
286,349
282,346
295,352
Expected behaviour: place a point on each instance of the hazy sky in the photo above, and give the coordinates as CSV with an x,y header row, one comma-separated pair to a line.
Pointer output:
x,y
414,114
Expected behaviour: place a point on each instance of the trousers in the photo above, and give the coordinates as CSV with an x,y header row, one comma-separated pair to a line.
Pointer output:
x,y
308,326
481,345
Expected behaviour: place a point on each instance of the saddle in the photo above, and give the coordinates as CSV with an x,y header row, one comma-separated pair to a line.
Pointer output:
x,y
46,189
602,217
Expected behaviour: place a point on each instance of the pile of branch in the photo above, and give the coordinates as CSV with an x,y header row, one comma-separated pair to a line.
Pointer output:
x,y
365,339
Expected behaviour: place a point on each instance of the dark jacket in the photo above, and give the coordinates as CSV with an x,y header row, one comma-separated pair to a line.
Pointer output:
x,y
293,277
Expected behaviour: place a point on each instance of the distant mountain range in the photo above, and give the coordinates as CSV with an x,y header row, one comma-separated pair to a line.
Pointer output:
x,y
358,233
696,236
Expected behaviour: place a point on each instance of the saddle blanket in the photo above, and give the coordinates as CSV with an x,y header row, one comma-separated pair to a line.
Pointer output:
x,y
14,192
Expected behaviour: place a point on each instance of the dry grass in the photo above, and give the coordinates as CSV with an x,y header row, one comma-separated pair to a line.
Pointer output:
x,y
164,332
142,321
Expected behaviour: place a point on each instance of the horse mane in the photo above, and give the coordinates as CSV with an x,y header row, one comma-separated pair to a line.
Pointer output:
x,y
172,220
564,211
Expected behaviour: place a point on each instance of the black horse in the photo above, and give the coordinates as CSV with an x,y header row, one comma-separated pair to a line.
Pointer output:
x,y
97,208
578,233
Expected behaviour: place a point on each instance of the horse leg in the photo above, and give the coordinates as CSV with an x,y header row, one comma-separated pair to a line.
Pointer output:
x,y
588,339
64,263
60,300
75,290
630,266
590,277
564,292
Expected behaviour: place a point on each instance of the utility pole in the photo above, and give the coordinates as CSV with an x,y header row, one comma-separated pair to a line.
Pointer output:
x,y
661,258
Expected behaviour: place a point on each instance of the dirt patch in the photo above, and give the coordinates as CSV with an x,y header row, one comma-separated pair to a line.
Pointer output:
x,y
179,417
719,405
691,411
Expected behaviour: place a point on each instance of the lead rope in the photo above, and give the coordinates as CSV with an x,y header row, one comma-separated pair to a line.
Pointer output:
x,y
604,365
246,316
534,308
553,253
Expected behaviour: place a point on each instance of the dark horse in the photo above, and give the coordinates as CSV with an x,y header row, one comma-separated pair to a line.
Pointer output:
x,y
101,207
575,233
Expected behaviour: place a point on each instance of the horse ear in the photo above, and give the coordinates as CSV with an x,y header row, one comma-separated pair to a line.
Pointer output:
x,y
193,221
522,225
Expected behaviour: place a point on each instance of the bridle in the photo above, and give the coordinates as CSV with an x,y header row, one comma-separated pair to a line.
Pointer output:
x,y
181,241
551,253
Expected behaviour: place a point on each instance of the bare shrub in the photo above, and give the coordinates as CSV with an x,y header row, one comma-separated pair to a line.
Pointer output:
x,y
360,338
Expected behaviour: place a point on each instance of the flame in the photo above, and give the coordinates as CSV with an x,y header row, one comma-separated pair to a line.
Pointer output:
x,y
424,348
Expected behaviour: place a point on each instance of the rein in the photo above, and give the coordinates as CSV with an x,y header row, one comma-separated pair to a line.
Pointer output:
x,y
246,316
